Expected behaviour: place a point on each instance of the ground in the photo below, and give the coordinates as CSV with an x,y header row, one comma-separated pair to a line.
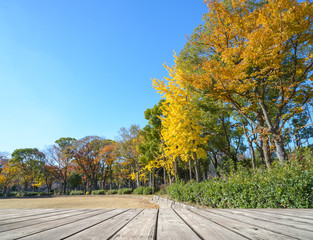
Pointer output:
x,y
90,202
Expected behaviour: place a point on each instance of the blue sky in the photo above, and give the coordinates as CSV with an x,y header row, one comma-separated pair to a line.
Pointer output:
x,y
79,68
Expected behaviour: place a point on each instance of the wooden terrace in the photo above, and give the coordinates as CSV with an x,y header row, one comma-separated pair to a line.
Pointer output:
x,y
167,223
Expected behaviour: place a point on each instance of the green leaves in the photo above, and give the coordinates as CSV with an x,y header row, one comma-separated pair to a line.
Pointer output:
x,y
285,186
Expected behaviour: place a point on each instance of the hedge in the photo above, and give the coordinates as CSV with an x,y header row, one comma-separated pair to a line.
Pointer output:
x,y
143,190
284,186
76,192
124,191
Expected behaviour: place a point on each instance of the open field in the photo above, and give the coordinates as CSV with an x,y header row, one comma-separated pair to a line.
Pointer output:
x,y
90,202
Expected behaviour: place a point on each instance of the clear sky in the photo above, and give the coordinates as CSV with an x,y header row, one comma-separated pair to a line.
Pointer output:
x,y
76,68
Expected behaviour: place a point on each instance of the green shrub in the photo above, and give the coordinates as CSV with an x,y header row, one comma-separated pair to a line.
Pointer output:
x,y
127,190
1,194
98,192
124,191
163,190
31,194
110,192
20,194
138,190
11,194
44,194
285,186
76,192
147,191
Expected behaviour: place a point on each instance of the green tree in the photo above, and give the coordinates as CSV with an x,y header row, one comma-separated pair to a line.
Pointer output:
x,y
30,162
150,148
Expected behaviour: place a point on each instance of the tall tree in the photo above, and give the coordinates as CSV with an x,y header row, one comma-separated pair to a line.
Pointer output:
x,y
128,152
87,158
108,154
59,157
181,128
29,162
258,60
151,147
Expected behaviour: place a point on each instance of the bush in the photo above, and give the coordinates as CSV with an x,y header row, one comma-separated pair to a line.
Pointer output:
x,y
124,191
76,192
20,194
163,190
138,190
98,192
26,194
285,186
11,194
44,194
127,190
147,191
110,192
31,194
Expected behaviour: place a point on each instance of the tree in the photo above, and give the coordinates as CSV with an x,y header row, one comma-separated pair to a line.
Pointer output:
x,y
258,60
87,158
7,175
128,152
75,180
49,175
29,162
108,154
181,129
59,157
151,147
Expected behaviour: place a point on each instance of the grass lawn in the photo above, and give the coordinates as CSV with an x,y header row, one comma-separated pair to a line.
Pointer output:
x,y
111,201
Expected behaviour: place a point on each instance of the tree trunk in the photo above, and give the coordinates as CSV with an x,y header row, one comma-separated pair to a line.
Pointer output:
x,y
196,166
95,184
169,178
252,154
64,186
153,179
190,170
281,153
205,169
137,180
164,175
260,148
266,152
175,169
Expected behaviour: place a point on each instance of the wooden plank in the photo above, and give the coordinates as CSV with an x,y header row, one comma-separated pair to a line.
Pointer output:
x,y
106,229
305,224
206,228
20,224
266,223
170,226
24,213
300,213
35,216
245,229
70,229
142,226
293,215
33,229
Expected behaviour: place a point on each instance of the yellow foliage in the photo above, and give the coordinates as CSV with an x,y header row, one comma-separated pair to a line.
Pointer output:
x,y
181,131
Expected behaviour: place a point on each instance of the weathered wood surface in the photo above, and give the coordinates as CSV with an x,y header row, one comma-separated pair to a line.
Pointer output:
x,y
177,223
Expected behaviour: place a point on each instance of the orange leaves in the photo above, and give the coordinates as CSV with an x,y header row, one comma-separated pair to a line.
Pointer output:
x,y
108,153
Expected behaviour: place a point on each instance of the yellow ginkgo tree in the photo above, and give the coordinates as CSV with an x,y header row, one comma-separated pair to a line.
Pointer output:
x,y
181,129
